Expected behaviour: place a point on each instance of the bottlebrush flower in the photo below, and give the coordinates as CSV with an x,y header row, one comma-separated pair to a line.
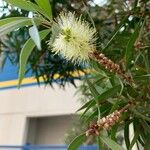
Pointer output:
x,y
75,39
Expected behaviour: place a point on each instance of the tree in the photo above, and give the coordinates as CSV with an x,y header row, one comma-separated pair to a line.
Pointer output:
x,y
119,56
41,63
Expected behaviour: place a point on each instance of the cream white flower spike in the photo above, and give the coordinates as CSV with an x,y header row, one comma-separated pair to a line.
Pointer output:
x,y
75,39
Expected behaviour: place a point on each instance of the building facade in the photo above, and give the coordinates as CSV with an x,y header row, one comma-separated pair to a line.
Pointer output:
x,y
32,114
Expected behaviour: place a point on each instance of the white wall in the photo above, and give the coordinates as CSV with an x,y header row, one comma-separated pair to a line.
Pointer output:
x,y
16,105
49,130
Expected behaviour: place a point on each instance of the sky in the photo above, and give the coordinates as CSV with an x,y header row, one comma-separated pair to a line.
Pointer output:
x,y
1,4
100,2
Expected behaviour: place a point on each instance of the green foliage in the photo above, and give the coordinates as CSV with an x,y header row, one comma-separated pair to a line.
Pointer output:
x,y
128,46
34,34
10,24
46,7
124,35
25,53
111,144
43,8
77,142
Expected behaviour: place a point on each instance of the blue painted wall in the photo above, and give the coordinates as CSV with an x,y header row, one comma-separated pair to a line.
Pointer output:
x,y
10,72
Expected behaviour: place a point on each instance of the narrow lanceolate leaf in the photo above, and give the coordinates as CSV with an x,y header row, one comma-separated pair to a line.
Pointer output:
x,y
10,24
95,94
140,115
75,144
9,20
46,7
88,108
110,92
2,60
147,143
85,105
130,45
116,32
100,145
114,131
27,5
34,34
25,53
22,4
100,98
92,89
145,126
126,135
135,138
110,143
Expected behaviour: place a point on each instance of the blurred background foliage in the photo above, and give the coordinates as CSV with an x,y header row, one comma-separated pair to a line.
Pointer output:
x,y
123,31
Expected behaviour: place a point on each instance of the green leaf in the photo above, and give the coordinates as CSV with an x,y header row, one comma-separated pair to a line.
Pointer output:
x,y
3,57
10,24
100,144
145,125
95,94
91,116
130,45
9,20
147,144
88,107
114,130
146,75
104,109
126,134
85,105
143,77
25,53
114,107
140,115
46,7
34,34
101,98
131,91
74,145
92,89
135,138
110,143
110,92
22,4
116,32
27,5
